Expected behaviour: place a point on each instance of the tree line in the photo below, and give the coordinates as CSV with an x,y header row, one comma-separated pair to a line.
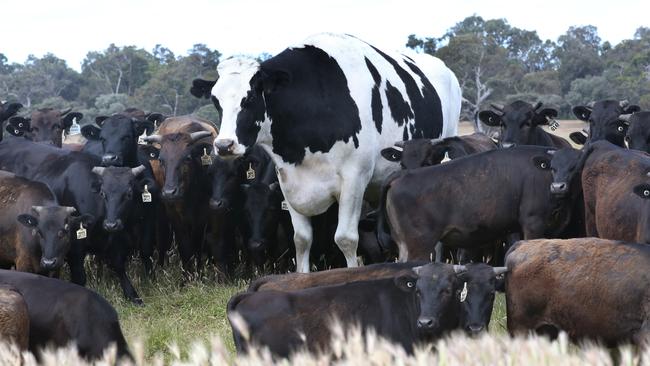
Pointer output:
x,y
494,62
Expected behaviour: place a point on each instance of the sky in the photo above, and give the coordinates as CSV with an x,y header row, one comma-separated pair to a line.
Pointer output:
x,y
71,28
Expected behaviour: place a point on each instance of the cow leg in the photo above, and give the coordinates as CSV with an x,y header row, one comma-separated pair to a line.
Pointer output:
x,y
347,230
533,227
75,258
117,256
147,225
302,238
163,235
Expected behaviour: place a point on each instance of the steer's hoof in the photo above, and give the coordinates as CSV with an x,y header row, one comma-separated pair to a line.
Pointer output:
x,y
137,301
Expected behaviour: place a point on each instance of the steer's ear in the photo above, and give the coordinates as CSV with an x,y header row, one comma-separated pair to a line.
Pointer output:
x,y
633,108
541,117
90,132
67,120
490,118
86,219
202,88
20,123
642,190
406,282
578,137
582,112
391,154
28,220
156,118
542,162
99,120
142,126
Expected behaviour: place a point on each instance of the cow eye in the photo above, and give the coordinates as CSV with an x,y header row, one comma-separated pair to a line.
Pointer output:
x,y
620,129
62,234
101,193
542,165
646,193
410,284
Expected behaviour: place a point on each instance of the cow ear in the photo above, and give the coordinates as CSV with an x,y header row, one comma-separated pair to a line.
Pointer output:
x,y
406,282
67,120
642,190
28,220
151,151
578,137
391,154
142,126
632,109
90,132
20,123
156,118
582,112
14,131
541,117
542,162
86,219
99,120
202,88
490,118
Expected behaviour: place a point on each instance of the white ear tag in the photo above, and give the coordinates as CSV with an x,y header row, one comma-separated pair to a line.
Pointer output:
x,y
75,129
446,158
141,140
284,205
463,294
250,173
206,159
146,196
81,233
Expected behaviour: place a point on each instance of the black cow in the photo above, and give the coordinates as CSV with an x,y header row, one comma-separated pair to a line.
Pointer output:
x,y
61,312
44,125
604,121
473,201
566,167
7,110
638,133
417,153
521,124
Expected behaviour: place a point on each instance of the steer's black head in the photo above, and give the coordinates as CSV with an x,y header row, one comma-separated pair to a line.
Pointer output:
x,y
604,120
416,153
642,192
51,227
118,137
261,214
180,158
566,167
519,121
8,110
479,282
638,134
46,125
437,289
226,176
119,186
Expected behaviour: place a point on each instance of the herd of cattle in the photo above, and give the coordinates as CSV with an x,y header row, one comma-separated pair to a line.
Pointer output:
x,y
306,162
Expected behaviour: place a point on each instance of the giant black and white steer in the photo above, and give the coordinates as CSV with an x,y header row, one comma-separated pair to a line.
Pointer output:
x,y
324,109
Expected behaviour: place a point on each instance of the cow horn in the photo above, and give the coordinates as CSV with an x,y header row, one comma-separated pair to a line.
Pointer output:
x,y
153,138
537,106
195,136
37,209
137,170
417,270
623,103
625,117
458,268
65,111
590,105
499,270
399,144
70,210
498,107
99,170
436,141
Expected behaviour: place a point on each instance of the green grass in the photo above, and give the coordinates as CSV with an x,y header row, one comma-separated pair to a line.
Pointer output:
x,y
182,314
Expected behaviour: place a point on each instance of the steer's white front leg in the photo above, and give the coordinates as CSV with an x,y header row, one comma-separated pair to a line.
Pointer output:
x,y
347,231
302,238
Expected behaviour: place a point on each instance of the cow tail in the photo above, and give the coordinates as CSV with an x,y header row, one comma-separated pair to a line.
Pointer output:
x,y
383,231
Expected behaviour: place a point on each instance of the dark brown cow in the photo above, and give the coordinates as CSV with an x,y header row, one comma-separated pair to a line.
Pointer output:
x,y
184,141
46,125
417,153
35,229
14,318
590,288
638,132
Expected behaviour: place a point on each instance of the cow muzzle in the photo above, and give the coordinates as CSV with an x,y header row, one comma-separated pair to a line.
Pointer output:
x,y
507,145
474,329
113,226
49,264
111,160
559,188
171,194
425,323
224,147
218,205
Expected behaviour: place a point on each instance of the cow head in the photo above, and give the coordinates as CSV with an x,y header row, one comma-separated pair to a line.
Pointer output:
x,y
8,110
604,120
638,134
226,177
237,95
118,137
180,155
437,287
417,153
118,186
261,214
479,284
519,121
51,226
566,167
46,125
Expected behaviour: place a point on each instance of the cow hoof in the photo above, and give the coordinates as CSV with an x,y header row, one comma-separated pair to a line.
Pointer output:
x,y
137,302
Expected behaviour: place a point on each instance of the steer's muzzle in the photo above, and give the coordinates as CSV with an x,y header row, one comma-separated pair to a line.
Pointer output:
x,y
171,194
507,145
474,329
111,160
559,188
113,226
224,146
425,323
48,264
217,205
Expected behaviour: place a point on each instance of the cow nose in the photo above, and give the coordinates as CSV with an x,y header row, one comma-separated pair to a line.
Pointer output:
x,y
475,328
224,146
112,226
256,245
507,145
109,159
169,193
425,323
216,204
558,188
48,263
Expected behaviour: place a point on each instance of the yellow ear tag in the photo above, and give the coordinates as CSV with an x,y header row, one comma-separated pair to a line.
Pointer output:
x,y
250,173
553,124
81,233
206,159
463,294
146,196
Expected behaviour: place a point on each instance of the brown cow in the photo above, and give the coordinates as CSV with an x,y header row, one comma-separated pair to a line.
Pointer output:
x,y
590,288
46,125
14,317
185,142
